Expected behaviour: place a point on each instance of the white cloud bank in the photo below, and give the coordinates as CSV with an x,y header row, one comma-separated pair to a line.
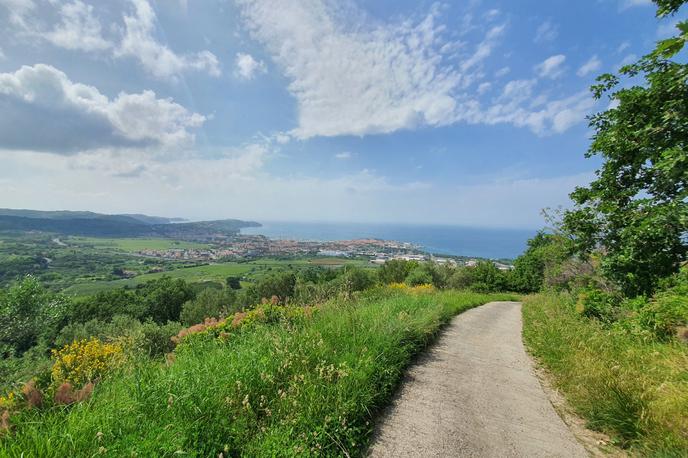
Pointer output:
x,y
114,183
42,110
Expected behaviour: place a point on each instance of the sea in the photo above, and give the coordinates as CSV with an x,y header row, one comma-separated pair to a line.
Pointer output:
x,y
436,239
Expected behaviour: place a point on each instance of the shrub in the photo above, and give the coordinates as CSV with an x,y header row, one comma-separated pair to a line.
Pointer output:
x,y
418,276
164,298
209,303
395,270
594,303
84,361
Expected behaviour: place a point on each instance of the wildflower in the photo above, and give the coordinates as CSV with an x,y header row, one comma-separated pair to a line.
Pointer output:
x,y
84,361
85,392
32,395
246,403
5,424
64,394
99,436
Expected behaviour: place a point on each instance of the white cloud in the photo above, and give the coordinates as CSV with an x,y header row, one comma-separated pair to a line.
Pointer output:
x,y
18,10
157,59
592,65
79,29
546,32
552,67
380,78
343,155
355,81
44,111
247,67
632,3
502,72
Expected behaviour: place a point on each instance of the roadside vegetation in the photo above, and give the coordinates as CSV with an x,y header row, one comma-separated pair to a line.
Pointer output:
x,y
297,363
610,322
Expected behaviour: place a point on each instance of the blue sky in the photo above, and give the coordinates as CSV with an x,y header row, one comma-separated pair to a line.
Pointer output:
x,y
462,112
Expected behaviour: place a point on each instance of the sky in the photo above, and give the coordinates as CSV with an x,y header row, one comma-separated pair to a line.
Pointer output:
x,y
458,112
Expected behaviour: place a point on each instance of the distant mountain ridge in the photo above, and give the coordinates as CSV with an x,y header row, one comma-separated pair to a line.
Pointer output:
x,y
85,223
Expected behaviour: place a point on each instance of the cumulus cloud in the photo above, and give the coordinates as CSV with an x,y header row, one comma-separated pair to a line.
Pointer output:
x,y
44,111
157,59
592,65
247,67
78,29
552,67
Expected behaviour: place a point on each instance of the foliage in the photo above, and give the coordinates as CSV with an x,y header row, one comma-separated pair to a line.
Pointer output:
x,y
541,263
395,271
307,387
418,276
209,303
631,388
233,282
147,338
279,284
636,210
28,313
106,304
84,361
163,299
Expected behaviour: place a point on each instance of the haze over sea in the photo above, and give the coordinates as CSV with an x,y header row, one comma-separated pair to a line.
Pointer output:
x,y
437,239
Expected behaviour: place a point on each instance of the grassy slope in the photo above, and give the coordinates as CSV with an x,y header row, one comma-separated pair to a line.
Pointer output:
x,y
633,390
312,389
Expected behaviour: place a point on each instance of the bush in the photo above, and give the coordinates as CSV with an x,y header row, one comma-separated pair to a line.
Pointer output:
x,y
594,303
419,276
29,313
106,304
395,271
164,298
210,303
633,389
84,361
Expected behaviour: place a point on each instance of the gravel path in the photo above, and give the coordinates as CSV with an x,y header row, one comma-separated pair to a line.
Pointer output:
x,y
475,394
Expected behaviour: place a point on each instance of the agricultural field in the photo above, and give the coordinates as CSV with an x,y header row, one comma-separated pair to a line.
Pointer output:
x,y
132,245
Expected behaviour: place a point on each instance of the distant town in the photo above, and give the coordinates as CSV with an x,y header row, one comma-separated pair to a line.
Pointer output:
x,y
256,246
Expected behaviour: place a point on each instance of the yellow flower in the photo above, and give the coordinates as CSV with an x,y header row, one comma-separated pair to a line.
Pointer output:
x,y
83,361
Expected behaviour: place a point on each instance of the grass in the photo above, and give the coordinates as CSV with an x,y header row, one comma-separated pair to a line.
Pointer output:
x,y
132,245
632,389
310,388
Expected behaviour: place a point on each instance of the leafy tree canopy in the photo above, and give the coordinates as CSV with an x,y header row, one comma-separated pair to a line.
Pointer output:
x,y
636,210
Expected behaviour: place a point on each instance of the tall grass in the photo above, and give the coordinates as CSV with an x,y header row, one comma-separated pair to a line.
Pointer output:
x,y
306,389
635,390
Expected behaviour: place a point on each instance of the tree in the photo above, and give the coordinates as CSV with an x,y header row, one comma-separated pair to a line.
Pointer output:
x,y
164,298
29,313
545,253
233,282
210,303
636,211
395,270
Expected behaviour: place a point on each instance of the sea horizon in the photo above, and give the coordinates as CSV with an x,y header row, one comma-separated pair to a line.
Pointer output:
x,y
438,239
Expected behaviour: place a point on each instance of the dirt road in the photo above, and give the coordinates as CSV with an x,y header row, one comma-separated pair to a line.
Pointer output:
x,y
475,394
